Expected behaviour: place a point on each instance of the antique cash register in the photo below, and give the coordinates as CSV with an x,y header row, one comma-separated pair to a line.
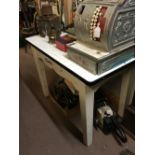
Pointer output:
x,y
105,30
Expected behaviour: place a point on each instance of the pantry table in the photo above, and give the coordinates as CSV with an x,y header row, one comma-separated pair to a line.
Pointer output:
x,y
84,82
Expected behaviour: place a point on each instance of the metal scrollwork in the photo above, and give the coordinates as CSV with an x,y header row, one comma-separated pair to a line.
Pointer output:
x,y
123,29
127,26
129,3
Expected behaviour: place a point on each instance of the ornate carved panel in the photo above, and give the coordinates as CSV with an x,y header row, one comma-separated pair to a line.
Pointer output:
x,y
124,28
129,3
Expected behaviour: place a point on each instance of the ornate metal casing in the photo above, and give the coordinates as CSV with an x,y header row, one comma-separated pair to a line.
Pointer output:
x,y
118,24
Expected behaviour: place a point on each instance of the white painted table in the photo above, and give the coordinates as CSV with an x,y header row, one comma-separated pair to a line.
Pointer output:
x,y
85,82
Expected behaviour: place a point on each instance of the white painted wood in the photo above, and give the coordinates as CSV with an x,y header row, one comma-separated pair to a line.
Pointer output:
x,y
61,71
86,93
61,57
86,96
127,90
41,72
131,90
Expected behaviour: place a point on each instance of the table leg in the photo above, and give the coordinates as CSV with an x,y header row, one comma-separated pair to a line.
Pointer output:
x,y
41,72
127,90
86,96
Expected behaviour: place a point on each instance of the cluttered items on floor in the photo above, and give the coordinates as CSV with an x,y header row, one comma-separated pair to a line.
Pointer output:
x,y
106,119
64,94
